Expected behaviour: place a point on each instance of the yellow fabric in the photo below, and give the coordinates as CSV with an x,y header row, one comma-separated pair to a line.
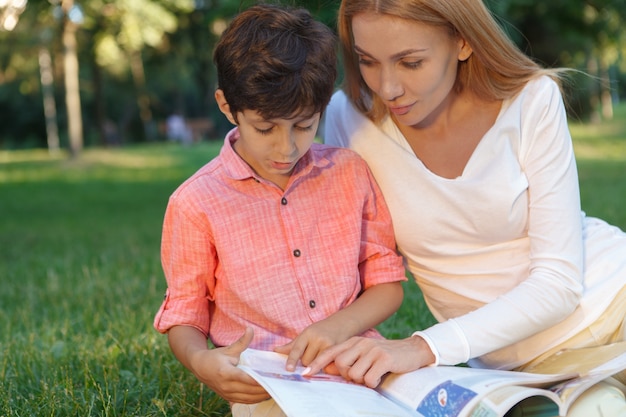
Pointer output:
x,y
607,398
610,327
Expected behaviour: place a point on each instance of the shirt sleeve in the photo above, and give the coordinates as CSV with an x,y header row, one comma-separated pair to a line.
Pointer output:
x,y
379,260
553,287
188,258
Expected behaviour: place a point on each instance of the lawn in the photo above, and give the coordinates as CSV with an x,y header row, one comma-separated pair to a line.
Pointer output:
x,y
81,278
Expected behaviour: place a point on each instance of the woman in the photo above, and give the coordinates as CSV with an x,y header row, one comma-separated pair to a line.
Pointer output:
x,y
468,139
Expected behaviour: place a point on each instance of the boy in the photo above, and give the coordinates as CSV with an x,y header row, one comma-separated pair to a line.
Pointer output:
x,y
279,242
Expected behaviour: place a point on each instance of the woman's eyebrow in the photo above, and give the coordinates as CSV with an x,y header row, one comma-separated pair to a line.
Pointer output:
x,y
397,55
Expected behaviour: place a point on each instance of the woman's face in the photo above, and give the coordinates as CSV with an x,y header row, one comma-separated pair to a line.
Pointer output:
x,y
411,66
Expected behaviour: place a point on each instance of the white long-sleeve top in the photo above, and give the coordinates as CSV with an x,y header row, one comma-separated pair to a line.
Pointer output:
x,y
498,252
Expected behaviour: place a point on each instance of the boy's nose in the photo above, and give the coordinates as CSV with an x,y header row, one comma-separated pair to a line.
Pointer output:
x,y
287,144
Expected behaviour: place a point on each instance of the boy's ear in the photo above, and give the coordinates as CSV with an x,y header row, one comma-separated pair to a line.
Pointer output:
x,y
223,106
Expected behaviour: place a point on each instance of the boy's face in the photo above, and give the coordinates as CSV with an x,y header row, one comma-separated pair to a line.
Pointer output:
x,y
271,147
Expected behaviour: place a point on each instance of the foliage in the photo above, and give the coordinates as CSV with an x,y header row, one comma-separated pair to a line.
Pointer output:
x,y
142,60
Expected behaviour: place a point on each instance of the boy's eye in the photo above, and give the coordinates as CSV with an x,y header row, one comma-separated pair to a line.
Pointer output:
x,y
264,131
304,128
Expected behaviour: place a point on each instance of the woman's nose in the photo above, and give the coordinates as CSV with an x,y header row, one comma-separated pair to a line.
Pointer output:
x,y
390,86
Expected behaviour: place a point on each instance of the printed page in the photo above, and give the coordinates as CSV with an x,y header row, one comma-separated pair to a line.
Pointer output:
x,y
528,402
455,391
321,395
594,364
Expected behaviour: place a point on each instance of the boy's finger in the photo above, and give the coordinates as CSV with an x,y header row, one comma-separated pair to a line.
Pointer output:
x,y
242,343
284,349
295,353
292,357
321,361
331,369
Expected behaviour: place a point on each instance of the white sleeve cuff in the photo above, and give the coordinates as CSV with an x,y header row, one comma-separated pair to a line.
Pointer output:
x,y
430,344
448,343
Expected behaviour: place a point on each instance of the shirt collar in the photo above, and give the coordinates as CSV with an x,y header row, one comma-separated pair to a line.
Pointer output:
x,y
237,169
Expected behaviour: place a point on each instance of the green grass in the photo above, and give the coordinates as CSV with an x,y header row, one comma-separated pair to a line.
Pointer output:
x,y
81,281
80,276
601,155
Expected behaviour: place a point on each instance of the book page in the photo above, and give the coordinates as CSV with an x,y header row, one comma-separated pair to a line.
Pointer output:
x,y
432,391
321,395
594,364
456,391
528,402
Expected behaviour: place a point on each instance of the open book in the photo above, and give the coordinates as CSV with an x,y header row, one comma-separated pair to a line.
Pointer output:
x,y
439,391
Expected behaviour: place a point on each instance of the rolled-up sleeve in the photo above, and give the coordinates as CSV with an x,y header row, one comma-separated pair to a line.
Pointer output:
x,y
189,259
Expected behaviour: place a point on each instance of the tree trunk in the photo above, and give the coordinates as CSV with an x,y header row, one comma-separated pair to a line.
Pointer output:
x,y
143,99
606,97
72,93
594,93
49,104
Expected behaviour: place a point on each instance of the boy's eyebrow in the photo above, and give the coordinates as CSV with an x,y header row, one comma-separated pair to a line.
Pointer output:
x,y
297,118
303,116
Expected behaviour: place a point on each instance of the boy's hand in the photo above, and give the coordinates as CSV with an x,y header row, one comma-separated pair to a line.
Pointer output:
x,y
311,342
217,368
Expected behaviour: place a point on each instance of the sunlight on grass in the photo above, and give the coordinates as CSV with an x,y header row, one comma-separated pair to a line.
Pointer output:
x,y
607,151
601,141
142,163
31,155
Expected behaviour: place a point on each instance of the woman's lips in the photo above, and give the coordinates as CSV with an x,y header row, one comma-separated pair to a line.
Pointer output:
x,y
400,110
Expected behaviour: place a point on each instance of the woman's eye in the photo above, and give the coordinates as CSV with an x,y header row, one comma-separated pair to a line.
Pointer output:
x,y
412,64
365,62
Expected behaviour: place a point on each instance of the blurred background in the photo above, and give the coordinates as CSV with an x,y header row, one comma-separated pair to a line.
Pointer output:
x,y
96,97
79,73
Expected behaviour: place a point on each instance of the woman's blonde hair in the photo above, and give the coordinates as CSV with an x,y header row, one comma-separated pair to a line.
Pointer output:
x,y
496,70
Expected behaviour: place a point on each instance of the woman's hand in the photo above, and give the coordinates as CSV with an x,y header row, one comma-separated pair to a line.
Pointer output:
x,y
366,361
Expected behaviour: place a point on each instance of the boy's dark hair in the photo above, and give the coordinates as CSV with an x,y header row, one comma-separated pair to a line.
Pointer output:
x,y
277,61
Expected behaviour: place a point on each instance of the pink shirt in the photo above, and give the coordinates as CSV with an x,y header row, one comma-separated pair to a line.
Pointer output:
x,y
238,251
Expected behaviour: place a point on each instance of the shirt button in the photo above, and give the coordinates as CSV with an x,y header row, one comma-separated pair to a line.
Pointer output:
x,y
297,253
312,303
283,201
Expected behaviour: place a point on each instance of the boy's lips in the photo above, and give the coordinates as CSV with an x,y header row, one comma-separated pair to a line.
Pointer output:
x,y
282,165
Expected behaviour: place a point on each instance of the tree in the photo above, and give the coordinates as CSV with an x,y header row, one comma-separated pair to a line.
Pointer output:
x,y
72,18
586,35
122,30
